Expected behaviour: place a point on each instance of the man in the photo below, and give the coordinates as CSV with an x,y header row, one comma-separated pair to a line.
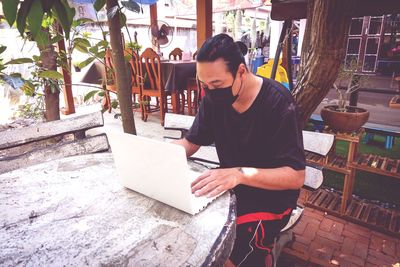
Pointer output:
x,y
254,125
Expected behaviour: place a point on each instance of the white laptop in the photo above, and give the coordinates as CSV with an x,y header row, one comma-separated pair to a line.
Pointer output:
x,y
156,169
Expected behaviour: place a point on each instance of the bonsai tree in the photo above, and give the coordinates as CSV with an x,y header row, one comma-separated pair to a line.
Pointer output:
x,y
342,117
348,73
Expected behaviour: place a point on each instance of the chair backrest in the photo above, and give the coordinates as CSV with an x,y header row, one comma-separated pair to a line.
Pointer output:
x,y
109,69
133,60
150,70
176,54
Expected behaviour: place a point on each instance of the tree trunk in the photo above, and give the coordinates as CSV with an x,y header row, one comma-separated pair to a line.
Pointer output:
x,y
323,51
51,96
121,73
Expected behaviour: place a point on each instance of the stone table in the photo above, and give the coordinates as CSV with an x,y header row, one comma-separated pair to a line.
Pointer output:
x,y
73,212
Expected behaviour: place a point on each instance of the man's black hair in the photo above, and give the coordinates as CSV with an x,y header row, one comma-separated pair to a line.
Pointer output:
x,y
222,46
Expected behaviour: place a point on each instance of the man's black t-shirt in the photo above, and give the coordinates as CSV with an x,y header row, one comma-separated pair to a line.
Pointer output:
x,y
267,135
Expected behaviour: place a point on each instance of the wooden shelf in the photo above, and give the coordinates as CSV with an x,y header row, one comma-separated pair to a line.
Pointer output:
x,y
334,162
361,212
350,137
377,164
344,205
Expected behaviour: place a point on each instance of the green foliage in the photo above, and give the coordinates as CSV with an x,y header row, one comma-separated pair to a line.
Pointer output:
x,y
33,110
50,74
43,38
35,17
131,6
86,62
22,15
2,49
29,88
90,95
134,46
30,15
99,4
10,10
81,44
21,60
122,19
64,15
114,104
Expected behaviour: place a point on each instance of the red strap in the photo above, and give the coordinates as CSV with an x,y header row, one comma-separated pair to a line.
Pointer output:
x,y
263,216
259,244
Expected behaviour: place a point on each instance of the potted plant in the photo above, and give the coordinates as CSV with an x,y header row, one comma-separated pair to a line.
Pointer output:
x,y
342,117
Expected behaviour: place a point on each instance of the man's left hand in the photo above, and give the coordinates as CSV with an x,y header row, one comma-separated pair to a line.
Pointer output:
x,y
216,181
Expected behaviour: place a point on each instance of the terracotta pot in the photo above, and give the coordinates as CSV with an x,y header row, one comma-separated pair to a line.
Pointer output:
x,y
349,121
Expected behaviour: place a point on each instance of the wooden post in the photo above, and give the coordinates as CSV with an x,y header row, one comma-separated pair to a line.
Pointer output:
x,y
67,87
153,21
204,21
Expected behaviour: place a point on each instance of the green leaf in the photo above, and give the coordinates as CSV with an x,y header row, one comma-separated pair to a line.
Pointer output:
x,y
70,14
81,48
62,16
42,38
94,49
35,17
22,15
114,104
122,19
28,88
82,42
81,22
101,54
50,74
86,62
56,39
99,4
21,60
101,93
2,48
131,6
103,44
36,58
90,95
10,10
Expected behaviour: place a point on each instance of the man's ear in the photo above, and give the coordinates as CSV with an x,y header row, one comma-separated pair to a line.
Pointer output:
x,y
242,69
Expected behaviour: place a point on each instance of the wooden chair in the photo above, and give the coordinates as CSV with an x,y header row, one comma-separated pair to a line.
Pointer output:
x,y
136,78
176,54
192,94
150,69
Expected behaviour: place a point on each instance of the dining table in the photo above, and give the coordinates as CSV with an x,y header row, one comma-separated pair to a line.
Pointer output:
x,y
74,212
174,74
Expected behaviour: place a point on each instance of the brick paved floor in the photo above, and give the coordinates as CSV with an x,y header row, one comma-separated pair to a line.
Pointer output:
x,y
326,240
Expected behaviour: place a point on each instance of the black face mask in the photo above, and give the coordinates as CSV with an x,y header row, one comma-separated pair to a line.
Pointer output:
x,y
221,96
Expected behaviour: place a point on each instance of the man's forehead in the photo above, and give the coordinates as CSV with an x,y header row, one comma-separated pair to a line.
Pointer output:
x,y
210,71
